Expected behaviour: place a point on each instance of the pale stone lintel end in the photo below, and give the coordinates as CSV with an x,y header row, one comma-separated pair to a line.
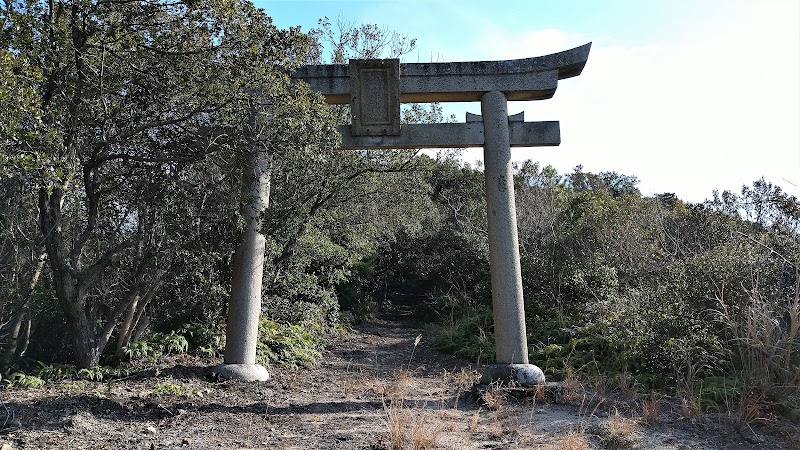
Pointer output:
x,y
519,117
474,118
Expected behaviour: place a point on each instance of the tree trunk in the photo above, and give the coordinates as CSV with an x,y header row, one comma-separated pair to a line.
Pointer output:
x,y
26,338
126,329
135,311
142,322
70,288
20,309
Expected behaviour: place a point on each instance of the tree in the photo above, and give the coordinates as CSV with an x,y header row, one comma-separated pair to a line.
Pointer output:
x,y
332,208
133,95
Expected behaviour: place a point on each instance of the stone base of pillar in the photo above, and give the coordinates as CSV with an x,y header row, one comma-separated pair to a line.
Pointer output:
x,y
243,372
522,374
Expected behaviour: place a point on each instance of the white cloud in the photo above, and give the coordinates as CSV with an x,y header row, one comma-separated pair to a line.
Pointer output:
x,y
499,43
712,110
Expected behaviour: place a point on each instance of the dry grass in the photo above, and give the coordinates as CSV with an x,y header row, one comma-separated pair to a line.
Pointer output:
x,y
626,385
690,388
397,388
473,423
571,388
410,428
692,408
753,408
572,440
620,431
651,411
461,380
494,396
506,424
357,382
619,425
766,337
615,433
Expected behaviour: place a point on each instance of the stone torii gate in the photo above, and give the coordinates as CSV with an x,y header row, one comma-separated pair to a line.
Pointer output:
x,y
375,88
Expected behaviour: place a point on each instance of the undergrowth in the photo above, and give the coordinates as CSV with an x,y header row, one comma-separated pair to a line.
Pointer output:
x,y
292,345
749,369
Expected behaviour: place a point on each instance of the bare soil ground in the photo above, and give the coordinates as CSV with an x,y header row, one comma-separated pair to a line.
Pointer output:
x,y
367,393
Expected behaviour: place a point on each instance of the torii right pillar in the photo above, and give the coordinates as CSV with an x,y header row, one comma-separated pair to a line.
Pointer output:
x,y
507,300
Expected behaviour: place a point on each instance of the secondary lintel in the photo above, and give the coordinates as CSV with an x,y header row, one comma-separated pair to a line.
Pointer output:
x,y
454,135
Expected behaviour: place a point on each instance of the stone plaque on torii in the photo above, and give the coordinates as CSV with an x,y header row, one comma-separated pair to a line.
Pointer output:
x,y
375,89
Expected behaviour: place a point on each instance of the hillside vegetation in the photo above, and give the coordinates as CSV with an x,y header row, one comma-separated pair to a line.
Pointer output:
x,y
122,133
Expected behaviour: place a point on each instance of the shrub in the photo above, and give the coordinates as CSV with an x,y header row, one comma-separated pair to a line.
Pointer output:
x,y
202,339
470,337
23,381
56,372
289,345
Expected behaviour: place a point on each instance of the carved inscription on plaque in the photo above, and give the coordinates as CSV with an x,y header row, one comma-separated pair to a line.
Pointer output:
x,y
375,101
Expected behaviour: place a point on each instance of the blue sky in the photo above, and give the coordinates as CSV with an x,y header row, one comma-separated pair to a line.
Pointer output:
x,y
689,96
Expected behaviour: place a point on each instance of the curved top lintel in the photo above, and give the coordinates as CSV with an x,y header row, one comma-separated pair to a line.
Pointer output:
x,y
521,79
569,63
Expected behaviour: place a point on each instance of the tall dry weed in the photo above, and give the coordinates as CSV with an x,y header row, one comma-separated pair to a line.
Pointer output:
x,y
651,410
766,339
410,428
494,396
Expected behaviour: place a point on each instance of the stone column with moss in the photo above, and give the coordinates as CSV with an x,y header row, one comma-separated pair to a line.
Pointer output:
x,y
248,268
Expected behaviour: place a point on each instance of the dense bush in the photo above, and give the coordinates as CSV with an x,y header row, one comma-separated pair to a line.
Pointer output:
x,y
618,284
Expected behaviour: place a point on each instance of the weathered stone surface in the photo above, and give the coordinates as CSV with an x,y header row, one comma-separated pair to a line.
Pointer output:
x,y
527,374
243,372
506,275
523,374
244,307
520,79
375,100
518,117
455,135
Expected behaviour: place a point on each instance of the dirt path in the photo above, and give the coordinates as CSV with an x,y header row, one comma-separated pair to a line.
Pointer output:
x,y
367,393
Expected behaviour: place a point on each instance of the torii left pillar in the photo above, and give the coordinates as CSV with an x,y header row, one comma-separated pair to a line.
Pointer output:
x,y
244,307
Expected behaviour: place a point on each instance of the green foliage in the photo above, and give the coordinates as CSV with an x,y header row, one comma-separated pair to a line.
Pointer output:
x,y
202,339
128,121
653,291
720,392
172,342
167,389
103,373
56,372
188,338
289,345
139,350
352,294
121,147
437,261
23,381
790,407
470,337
